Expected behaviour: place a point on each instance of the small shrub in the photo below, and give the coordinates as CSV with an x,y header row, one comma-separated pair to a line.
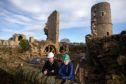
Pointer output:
x,y
24,44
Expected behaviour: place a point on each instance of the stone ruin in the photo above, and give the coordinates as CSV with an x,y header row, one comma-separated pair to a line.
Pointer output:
x,y
13,41
101,23
51,44
13,60
52,29
41,48
105,61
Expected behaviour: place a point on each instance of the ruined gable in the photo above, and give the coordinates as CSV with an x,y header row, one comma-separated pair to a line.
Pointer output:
x,y
52,29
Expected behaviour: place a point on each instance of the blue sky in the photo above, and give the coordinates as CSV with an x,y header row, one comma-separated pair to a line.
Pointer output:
x,y
29,17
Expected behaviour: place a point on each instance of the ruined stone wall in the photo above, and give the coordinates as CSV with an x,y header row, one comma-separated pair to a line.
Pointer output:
x,y
18,37
106,60
31,39
7,43
52,27
15,69
36,48
13,41
101,23
29,74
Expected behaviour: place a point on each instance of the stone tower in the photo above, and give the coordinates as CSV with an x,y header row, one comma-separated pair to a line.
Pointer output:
x,y
101,23
52,29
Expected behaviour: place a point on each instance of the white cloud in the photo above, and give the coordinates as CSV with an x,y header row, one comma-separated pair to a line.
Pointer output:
x,y
73,13
27,5
118,10
70,11
15,18
33,28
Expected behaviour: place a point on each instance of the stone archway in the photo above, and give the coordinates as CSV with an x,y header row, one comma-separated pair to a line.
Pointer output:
x,y
50,48
20,38
64,48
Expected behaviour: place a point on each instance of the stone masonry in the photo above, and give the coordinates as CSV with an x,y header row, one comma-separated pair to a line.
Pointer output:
x,y
101,23
13,41
52,29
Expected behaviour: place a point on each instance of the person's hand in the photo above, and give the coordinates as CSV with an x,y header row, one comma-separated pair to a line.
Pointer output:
x,y
45,72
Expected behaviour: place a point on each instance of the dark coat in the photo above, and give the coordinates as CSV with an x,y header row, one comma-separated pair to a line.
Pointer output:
x,y
51,67
66,72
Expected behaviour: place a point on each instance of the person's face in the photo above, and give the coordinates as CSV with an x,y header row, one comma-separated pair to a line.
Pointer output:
x,y
66,62
51,60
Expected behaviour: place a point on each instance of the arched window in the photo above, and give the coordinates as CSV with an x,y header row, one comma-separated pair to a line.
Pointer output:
x,y
107,33
102,13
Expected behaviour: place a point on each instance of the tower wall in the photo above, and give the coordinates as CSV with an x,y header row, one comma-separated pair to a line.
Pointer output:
x,y
101,23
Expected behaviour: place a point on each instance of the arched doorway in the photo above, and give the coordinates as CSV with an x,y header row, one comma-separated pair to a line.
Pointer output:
x,y
64,48
20,38
50,48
